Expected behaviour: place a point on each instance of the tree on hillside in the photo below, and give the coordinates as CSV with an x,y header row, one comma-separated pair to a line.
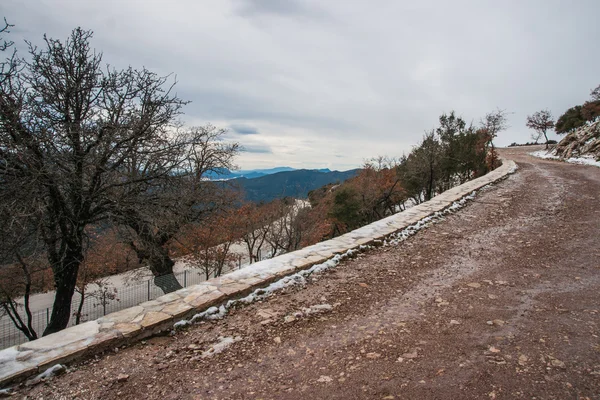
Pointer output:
x,y
595,93
81,144
490,126
570,120
540,122
591,110
183,197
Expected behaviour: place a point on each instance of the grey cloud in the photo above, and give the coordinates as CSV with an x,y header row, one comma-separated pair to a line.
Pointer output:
x,y
257,148
243,129
288,8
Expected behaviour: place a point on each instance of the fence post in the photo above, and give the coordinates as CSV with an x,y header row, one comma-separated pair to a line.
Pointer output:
x,y
185,278
47,316
148,290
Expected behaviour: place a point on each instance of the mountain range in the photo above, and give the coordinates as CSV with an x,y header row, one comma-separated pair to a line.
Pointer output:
x,y
294,183
225,174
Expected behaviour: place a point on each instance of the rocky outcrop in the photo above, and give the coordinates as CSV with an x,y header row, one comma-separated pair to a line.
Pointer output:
x,y
582,142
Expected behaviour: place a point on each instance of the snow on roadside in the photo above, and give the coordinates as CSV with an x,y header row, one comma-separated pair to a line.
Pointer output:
x,y
395,238
548,155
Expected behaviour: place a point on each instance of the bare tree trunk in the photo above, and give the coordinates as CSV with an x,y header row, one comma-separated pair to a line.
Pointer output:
x,y
65,277
161,266
80,307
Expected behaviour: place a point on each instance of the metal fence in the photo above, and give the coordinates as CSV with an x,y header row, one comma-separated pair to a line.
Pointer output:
x,y
105,300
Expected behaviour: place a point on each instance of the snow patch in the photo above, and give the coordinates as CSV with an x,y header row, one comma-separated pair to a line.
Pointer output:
x,y
584,160
220,346
47,374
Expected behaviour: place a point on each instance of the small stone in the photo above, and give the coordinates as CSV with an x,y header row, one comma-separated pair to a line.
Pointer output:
x,y
289,318
324,379
474,285
557,363
266,313
523,359
493,349
411,355
400,359
277,340
362,284
454,322
492,296
122,377
498,322
373,355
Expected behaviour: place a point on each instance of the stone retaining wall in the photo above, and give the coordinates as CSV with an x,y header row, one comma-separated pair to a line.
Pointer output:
x,y
151,317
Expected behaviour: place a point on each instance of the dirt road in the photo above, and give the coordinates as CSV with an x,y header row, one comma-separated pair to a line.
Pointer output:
x,y
498,301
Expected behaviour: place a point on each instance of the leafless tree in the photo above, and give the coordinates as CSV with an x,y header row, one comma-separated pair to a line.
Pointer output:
x,y
540,122
81,144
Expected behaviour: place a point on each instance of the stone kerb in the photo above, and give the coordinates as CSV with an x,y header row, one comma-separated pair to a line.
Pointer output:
x,y
148,318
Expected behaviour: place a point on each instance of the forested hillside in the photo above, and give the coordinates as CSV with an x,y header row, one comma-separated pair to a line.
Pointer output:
x,y
289,184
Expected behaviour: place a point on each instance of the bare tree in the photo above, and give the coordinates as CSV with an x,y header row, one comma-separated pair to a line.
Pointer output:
x,y
540,122
81,144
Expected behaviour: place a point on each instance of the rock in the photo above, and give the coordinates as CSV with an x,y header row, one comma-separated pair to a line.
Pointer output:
x,y
493,349
277,340
582,141
454,322
362,284
523,359
289,318
496,360
373,355
555,362
266,313
324,379
498,322
122,377
492,296
317,309
411,355
193,346
474,285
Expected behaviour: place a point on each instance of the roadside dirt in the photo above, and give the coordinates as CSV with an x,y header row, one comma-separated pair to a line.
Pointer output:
x,y
498,301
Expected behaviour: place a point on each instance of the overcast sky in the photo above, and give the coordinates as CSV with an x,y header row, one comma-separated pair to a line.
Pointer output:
x,y
315,84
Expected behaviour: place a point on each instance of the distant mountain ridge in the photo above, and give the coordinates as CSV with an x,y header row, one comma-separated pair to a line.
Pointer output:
x,y
296,183
225,174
